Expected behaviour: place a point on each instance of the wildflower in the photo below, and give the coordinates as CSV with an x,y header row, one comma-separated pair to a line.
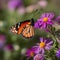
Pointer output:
x,y
58,53
38,57
2,40
45,44
30,52
8,47
44,21
13,4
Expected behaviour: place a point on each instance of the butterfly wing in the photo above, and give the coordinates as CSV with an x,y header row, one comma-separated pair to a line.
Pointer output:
x,y
28,31
25,28
14,28
23,24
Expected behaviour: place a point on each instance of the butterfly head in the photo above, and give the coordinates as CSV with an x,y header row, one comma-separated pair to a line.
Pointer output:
x,y
32,22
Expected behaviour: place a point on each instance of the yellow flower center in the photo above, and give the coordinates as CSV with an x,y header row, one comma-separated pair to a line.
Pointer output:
x,y
45,19
32,54
42,44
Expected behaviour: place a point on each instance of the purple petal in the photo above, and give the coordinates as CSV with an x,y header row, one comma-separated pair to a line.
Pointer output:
x,y
42,50
39,57
45,40
36,25
47,14
43,15
47,47
41,39
50,15
50,23
37,50
29,52
58,53
39,20
51,42
44,25
58,18
48,40
49,19
35,46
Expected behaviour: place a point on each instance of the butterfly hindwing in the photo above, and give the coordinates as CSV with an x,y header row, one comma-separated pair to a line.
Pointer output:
x,y
28,31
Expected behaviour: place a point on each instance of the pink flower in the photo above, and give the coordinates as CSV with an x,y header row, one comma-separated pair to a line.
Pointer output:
x,y
38,57
45,44
13,4
58,54
30,52
44,20
8,47
2,40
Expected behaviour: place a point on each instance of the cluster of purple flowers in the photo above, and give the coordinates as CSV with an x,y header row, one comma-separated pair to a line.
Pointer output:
x,y
38,51
45,44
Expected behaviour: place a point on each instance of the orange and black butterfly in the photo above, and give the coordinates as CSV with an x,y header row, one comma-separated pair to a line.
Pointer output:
x,y
24,28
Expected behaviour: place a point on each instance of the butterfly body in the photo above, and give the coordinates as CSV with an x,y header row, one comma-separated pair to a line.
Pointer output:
x,y
24,28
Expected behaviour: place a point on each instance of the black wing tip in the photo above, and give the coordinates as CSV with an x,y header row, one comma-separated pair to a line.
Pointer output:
x,y
32,21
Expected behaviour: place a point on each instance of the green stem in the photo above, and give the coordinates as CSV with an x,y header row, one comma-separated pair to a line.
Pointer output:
x,y
54,38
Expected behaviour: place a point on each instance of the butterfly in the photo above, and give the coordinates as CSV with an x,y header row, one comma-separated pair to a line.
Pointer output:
x,y
25,28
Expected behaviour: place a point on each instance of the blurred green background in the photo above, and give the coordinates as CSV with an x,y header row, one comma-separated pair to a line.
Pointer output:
x,y
13,11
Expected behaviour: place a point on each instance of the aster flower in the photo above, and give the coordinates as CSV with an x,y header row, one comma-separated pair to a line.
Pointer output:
x,y
38,57
2,40
8,47
30,52
45,44
58,53
44,20
13,4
